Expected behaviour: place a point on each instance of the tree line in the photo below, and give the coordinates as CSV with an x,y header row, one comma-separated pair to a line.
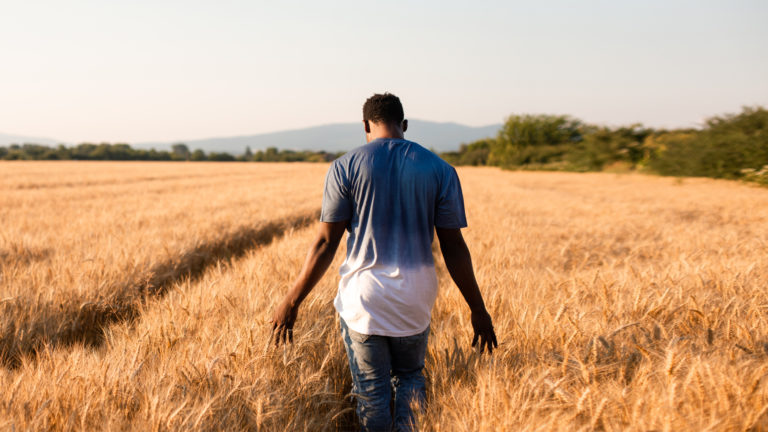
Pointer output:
x,y
732,146
178,152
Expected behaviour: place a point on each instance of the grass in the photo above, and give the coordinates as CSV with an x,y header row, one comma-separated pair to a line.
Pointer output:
x,y
621,302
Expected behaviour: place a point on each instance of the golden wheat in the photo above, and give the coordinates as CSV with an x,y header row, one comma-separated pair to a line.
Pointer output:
x,y
621,302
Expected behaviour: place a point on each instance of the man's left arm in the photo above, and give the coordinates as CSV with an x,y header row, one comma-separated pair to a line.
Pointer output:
x,y
318,260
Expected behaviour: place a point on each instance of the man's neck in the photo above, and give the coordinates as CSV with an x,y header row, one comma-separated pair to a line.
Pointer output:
x,y
381,131
372,137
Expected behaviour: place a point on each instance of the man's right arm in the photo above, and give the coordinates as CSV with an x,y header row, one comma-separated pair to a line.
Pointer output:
x,y
459,264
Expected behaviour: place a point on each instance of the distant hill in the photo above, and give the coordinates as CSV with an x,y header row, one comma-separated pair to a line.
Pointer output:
x,y
7,139
438,136
337,137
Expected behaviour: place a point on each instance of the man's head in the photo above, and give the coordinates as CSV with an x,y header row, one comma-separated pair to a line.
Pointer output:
x,y
383,117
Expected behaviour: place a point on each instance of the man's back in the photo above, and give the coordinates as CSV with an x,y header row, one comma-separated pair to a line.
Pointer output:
x,y
393,192
391,196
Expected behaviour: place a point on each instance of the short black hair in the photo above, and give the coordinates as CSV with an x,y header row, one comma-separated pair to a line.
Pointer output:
x,y
383,108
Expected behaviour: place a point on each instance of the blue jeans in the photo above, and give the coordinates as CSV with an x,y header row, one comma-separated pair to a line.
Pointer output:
x,y
380,364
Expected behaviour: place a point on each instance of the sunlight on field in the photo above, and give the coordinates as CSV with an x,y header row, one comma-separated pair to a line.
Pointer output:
x,y
621,302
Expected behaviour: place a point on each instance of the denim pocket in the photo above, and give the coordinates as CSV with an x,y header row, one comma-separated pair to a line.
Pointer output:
x,y
357,337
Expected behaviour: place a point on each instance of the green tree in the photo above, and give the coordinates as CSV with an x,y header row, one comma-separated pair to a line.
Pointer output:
x,y
534,139
180,151
271,154
220,157
198,155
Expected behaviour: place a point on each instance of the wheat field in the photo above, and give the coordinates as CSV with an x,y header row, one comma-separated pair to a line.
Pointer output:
x,y
135,296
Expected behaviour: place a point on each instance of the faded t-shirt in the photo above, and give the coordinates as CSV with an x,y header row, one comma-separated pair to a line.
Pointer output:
x,y
393,192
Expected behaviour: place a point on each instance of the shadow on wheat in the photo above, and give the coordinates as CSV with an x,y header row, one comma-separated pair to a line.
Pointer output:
x,y
73,321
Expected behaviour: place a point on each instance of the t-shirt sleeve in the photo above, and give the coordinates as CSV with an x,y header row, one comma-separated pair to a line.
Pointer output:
x,y
337,202
450,202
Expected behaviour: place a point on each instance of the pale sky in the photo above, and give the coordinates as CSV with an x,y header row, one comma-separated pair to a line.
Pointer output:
x,y
133,71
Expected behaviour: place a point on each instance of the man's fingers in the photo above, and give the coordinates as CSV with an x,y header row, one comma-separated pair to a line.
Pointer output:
x,y
487,340
281,335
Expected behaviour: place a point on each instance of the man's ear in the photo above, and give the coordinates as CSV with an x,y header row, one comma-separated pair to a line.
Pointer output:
x,y
367,126
405,125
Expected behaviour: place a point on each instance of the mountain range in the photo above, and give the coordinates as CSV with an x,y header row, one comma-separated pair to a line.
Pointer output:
x,y
332,138
8,139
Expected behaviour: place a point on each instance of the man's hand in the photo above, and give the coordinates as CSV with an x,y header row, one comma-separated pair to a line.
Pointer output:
x,y
483,327
282,323
318,259
459,264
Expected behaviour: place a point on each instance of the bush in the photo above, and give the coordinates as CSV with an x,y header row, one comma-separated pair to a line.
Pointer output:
x,y
603,146
220,157
475,153
726,147
731,146
758,176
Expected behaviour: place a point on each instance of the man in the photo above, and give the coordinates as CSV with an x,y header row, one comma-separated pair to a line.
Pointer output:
x,y
390,195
